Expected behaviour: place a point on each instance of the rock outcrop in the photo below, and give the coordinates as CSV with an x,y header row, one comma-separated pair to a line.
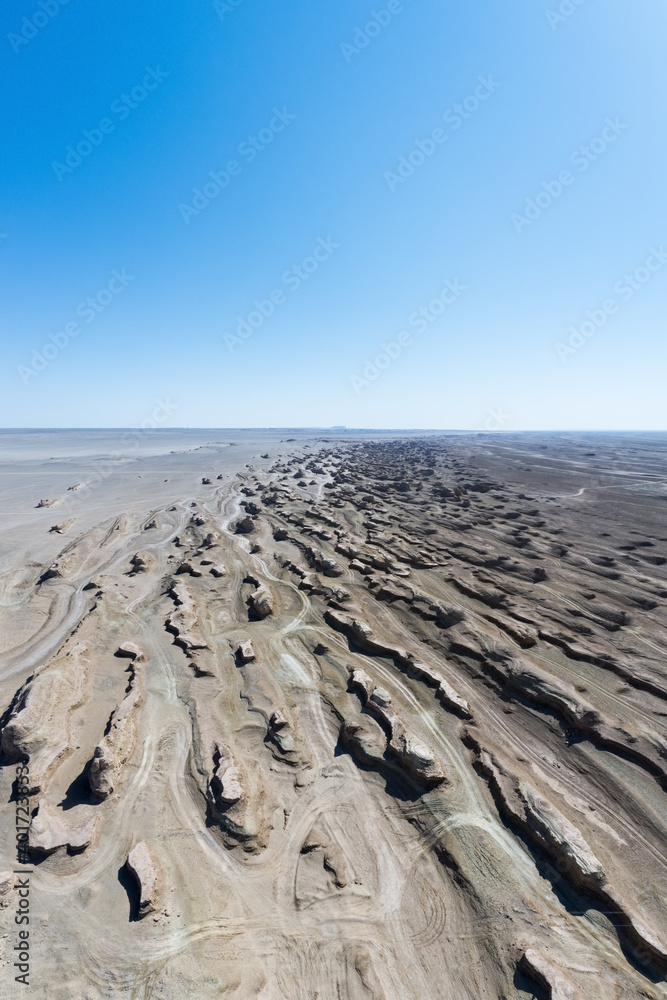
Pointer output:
x,y
141,865
119,741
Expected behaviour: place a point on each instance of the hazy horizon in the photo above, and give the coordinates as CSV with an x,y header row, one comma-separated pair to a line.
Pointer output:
x,y
341,429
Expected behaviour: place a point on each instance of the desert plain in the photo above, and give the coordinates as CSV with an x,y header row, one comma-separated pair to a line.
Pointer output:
x,y
334,715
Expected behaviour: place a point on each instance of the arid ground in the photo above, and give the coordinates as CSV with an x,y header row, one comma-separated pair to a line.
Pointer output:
x,y
333,715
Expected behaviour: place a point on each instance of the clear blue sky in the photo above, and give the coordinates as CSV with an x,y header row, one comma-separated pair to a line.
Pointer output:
x,y
305,111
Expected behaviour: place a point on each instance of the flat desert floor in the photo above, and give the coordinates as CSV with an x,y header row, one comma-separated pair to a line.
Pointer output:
x,y
334,715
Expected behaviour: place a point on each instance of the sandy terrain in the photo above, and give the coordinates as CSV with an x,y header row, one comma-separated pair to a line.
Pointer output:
x,y
341,716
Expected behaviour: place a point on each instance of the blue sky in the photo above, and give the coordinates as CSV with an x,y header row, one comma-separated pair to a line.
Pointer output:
x,y
409,214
